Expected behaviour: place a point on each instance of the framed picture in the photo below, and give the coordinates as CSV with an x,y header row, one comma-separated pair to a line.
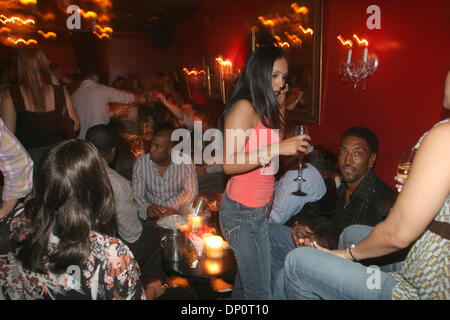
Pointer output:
x,y
298,30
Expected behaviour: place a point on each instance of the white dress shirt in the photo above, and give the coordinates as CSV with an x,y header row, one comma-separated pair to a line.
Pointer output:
x,y
91,100
178,186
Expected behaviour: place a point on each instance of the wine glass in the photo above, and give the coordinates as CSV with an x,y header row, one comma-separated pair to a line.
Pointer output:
x,y
299,130
404,165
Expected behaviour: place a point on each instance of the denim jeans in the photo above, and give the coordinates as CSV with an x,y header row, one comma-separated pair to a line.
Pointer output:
x,y
281,244
356,233
311,274
247,231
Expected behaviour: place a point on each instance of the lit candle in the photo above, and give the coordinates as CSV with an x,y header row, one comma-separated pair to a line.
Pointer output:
x,y
365,43
214,247
348,43
349,56
195,222
213,266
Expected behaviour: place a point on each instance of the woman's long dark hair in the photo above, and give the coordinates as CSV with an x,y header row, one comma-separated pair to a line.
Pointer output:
x,y
255,85
71,198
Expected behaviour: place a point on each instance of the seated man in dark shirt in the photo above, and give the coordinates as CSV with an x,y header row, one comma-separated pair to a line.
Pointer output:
x,y
361,199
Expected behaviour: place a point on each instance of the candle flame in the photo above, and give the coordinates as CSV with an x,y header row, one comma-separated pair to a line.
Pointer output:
x,y
104,3
294,39
104,29
20,40
28,2
309,30
101,36
298,9
345,42
87,15
362,41
5,20
49,16
5,30
267,22
47,35
193,72
280,43
224,63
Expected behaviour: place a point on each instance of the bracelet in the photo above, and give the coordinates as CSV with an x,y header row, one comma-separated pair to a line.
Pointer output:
x,y
351,253
264,160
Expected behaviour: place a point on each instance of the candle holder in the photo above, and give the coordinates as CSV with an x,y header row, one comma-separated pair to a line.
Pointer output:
x,y
358,72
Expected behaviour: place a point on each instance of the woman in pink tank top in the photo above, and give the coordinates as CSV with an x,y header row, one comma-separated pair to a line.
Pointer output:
x,y
251,123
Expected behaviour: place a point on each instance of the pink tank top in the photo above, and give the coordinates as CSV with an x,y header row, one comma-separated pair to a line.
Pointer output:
x,y
255,188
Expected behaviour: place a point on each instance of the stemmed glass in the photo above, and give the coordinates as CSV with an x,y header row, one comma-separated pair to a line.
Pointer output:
x,y
299,130
404,165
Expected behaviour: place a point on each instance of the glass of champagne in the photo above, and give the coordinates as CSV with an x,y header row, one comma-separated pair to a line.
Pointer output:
x,y
405,162
299,130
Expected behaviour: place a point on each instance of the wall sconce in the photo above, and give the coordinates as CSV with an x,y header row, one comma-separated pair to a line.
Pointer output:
x,y
361,70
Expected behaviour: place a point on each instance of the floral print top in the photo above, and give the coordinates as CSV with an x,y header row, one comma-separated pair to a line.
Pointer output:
x,y
110,272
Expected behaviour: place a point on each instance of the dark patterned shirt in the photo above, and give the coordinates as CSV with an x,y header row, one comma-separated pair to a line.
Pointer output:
x,y
370,204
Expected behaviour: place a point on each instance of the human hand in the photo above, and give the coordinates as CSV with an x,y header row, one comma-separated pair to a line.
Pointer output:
x,y
294,145
300,233
155,211
344,254
400,183
282,95
7,207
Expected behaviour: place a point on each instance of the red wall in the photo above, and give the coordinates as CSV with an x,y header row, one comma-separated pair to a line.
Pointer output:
x,y
404,97
402,100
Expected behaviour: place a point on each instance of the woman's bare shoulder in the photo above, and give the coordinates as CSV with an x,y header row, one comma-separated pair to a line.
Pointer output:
x,y
243,112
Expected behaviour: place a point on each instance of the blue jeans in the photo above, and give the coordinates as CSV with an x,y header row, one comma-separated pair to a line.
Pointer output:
x,y
247,231
311,274
281,244
356,233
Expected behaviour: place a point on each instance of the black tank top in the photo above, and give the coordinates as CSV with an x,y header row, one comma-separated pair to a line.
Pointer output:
x,y
39,129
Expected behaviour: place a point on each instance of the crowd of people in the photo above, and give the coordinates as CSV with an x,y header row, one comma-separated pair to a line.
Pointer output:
x,y
76,200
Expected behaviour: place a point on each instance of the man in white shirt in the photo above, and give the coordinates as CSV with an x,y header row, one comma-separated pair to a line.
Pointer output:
x,y
91,101
162,186
285,204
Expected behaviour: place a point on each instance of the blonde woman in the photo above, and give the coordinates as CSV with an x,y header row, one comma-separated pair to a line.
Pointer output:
x,y
35,111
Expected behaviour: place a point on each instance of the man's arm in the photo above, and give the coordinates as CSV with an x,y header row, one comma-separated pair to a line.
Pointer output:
x,y
139,186
117,96
128,224
17,169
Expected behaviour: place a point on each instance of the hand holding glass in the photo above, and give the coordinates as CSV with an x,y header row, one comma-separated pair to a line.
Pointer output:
x,y
405,162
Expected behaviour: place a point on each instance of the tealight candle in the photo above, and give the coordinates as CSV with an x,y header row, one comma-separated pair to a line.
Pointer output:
x,y
214,247
195,222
